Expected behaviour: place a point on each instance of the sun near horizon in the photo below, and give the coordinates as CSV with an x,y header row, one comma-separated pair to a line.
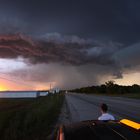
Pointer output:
x,y
3,88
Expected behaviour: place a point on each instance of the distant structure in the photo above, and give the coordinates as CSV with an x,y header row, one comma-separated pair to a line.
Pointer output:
x,y
19,94
55,90
43,93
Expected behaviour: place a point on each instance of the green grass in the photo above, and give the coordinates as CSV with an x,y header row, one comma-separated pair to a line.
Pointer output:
x,y
127,95
27,119
132,95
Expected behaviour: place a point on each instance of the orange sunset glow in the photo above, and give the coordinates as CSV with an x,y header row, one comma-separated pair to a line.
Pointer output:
x,y
3,88
10,86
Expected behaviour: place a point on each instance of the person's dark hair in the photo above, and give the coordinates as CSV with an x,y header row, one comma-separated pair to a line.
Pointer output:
x,y
104,107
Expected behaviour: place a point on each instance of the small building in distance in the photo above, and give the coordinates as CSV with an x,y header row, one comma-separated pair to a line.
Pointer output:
x,y
43,93
55,90
19,94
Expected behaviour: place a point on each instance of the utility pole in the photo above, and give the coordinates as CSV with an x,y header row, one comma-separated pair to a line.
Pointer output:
x,y
50,86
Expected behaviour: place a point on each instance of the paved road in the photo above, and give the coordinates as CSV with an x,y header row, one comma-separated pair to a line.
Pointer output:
x,y
86,107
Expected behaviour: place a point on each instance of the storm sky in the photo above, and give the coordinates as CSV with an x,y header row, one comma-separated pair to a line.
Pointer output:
x,y
69,43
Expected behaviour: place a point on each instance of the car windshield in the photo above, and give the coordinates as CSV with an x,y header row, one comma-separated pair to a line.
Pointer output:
x,y
67,61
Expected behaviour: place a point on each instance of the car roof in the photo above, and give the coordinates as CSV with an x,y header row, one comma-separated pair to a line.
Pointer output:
x,y
99,130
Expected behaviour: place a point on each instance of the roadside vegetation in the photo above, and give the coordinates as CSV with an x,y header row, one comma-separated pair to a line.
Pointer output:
x,y
29,119
110,88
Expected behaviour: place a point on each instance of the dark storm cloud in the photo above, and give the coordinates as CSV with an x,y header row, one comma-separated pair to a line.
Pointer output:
x,y
63,49
68,53
108,20
129,57
86,38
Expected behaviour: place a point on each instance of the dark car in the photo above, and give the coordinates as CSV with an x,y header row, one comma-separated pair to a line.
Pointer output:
x,y
100,130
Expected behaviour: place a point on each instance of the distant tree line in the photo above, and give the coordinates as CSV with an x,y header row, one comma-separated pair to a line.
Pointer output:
x,y
110,88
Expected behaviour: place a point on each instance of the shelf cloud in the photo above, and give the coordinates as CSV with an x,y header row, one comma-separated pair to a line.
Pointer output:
x,y
73,43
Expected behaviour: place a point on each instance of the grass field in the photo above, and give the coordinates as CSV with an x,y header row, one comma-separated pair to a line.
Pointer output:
x,y
132,95
126,95
29,119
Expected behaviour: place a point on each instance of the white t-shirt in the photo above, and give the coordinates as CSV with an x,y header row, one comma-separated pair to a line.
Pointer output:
x,y
105,117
